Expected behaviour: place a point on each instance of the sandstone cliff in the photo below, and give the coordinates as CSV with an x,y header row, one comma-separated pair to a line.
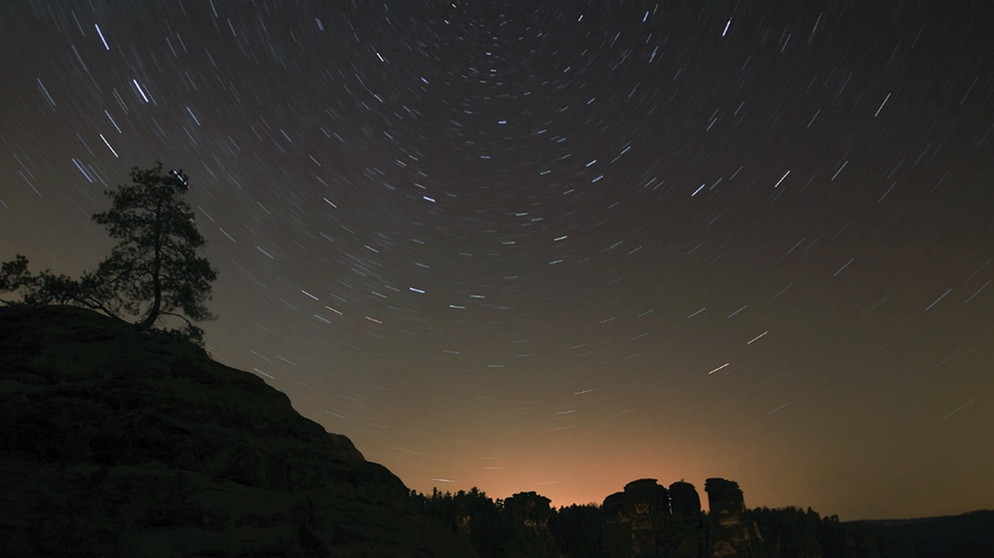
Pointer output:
x,y
119,443
636,521
730,534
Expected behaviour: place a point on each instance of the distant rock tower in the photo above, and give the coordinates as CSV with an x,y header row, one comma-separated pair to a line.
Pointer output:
x,y
686,523
528,532
637,520
729,534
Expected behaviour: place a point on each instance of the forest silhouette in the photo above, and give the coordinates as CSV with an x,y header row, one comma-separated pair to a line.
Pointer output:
x,y
650,520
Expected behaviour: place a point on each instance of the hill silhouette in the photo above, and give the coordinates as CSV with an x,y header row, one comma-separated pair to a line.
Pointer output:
x,y
970,535
121,442
117,442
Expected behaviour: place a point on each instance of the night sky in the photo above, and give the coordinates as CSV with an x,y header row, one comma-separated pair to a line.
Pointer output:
x,y
560,245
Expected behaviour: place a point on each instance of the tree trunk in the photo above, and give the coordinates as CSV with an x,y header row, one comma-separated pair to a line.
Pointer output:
x,y
156,307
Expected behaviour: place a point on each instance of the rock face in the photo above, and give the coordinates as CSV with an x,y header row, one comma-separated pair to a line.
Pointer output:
x,y
636,521
687,524
647,520
729,533
120,443
529,515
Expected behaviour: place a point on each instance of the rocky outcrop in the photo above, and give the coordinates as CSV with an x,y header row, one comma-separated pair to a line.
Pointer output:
x,y
633,523
529,533
636,521
647,520
729,533
687,523
121,443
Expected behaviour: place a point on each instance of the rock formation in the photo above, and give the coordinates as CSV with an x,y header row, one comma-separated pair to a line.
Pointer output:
x,y
647,520
637,520
120,443
729,533
528,515
687,523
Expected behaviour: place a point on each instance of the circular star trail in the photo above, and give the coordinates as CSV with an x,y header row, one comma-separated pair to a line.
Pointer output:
x,y
558,246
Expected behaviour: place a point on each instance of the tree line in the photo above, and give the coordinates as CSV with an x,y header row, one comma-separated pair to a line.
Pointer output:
x,y
525,525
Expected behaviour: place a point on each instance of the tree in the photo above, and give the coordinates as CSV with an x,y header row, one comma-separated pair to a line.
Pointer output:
x,y
154,270
37,290
14,274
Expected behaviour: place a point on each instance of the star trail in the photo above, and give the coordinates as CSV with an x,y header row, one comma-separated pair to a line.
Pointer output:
x,y
560,245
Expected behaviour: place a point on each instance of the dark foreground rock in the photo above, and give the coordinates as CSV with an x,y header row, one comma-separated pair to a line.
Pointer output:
x,y
120,443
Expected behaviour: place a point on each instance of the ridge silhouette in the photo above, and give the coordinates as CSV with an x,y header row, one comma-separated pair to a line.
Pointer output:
x,y
121,442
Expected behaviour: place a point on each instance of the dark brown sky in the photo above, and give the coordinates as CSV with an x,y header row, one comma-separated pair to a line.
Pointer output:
x,y
558,246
